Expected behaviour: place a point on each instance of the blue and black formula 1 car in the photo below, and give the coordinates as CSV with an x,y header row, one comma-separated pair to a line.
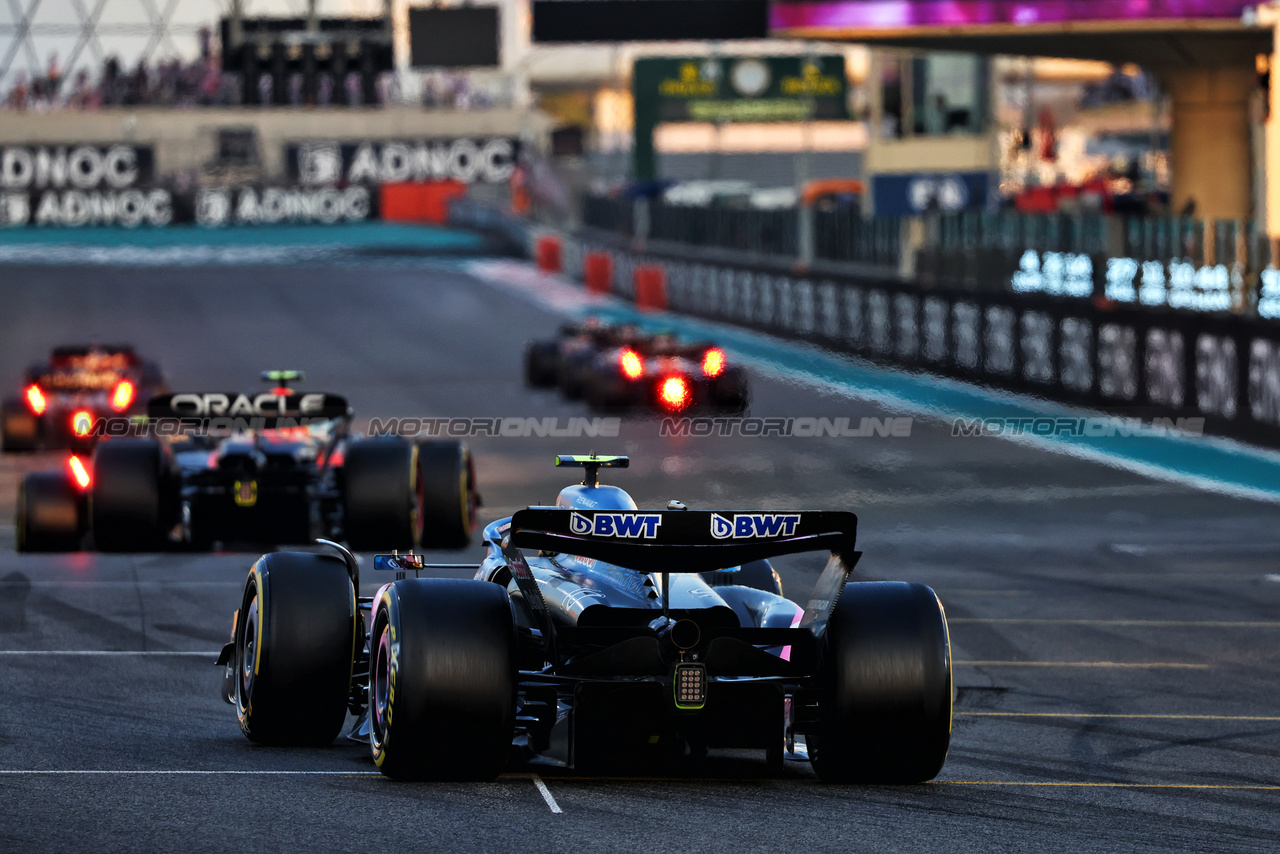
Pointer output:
x,y
276,467
64,398
623,368
589,636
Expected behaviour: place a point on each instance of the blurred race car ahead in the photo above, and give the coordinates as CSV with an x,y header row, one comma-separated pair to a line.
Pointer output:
x,y
589,637
283,468
620,368
64,398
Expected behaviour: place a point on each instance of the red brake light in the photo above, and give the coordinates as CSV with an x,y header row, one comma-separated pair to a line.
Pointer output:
x,y
82,422
122,397
79,473
632,364
713,362
674,393
35,399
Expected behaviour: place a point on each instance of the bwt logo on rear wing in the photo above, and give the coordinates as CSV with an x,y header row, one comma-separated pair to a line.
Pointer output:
x,y
681,540
749,525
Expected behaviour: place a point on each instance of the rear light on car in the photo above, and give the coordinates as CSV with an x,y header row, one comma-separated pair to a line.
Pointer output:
x,y
35,399
79,472
690,686
631,363
122,397
82,422
674,393
713,362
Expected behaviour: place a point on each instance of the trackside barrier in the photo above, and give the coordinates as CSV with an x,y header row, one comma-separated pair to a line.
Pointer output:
x,y
651,286
549,254
597,272
1139,362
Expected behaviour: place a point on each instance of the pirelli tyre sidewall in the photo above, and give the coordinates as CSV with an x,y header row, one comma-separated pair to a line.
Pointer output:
x,y
442,680
447,499
19,428
884,711
295,643
48,515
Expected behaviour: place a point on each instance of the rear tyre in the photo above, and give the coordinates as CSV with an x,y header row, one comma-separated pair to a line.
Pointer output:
x,y
48,514
729,392
572,376
758,575
884,714
442,680
130,505
447,498
20,429
294,647
540,363
381,495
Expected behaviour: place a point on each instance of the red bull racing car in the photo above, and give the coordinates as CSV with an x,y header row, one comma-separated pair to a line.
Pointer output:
x,y
63,398
621,368
277,467
590,636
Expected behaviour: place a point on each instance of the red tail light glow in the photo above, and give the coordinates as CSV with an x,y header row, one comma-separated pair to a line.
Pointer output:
x,y
35,399
122,397
632,364
713,362
79,473
674,393
82,422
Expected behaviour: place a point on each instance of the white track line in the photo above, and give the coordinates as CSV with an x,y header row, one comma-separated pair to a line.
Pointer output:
x,y
546,794
115,652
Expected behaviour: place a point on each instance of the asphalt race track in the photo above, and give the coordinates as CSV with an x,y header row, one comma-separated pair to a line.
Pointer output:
x,y
1116,638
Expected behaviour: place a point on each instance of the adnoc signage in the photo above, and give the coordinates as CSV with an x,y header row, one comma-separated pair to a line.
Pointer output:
x,y
472,160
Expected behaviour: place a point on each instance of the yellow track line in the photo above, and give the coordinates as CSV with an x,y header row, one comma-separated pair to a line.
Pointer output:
x,y
1259,788
1131,664
1133,717
1211,624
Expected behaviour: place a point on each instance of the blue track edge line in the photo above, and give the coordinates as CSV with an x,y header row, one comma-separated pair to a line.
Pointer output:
x,y
1209,463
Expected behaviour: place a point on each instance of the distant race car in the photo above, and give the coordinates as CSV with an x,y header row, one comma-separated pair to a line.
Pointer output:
x,y
590,636
64,398
621,368
277,467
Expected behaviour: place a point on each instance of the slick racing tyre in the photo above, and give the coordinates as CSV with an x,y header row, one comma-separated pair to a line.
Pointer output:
x,y
380,508
19,429
48,514
572,375
540,364
442,682
295,639
884,712
729,391
447,498
131,506
758,575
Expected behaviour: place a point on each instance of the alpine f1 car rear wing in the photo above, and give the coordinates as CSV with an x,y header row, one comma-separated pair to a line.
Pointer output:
x,y
697,541
681,540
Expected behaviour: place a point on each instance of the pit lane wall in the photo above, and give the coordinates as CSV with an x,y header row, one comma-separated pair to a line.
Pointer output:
x,y
1131,360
